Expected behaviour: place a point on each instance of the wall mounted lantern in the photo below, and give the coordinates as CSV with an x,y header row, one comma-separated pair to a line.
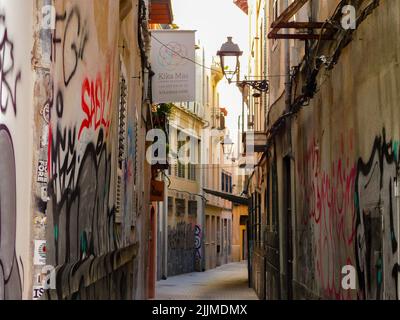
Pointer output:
x,y
227,145
230,66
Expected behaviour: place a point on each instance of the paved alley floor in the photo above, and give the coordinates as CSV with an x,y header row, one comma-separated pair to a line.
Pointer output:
x,y
227,282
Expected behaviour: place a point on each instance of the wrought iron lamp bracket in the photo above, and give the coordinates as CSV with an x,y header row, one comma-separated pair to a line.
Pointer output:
x,y
259,85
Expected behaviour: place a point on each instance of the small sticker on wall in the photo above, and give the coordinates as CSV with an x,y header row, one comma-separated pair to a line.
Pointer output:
x,y
37,292
44,139
43,193
42,171
39,257
45,113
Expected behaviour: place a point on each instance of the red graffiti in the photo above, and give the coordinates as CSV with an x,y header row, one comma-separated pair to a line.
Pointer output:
x,y
327,202
96,102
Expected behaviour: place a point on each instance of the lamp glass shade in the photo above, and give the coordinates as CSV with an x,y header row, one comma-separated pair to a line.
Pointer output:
x,y
227,145
229,56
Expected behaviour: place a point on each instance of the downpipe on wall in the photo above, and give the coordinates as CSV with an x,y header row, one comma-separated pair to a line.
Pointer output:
x,y
288,104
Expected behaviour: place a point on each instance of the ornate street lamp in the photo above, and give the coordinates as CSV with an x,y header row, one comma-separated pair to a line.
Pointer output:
x,y
229,56
227,145
230,65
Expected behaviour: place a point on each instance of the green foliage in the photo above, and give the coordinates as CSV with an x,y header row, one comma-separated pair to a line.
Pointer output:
x,y
164,109
161,114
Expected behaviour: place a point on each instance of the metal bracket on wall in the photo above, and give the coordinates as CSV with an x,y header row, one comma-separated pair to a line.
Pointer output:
x,y
282,22
259,85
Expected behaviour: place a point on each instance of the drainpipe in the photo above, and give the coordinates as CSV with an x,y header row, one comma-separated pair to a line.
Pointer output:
x,y
287,71
288,89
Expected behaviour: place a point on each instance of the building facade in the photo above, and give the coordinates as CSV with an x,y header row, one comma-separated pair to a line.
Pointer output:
x,y
80,70
184,202
325,193
180,232
198,234
217,171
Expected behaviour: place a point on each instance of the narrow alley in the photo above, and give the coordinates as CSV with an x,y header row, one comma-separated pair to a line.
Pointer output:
x,y
199,150
227,282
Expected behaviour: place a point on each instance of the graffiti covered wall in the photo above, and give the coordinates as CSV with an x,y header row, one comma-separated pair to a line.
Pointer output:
x,y
15,149
346,162
81,227
61,167
181,248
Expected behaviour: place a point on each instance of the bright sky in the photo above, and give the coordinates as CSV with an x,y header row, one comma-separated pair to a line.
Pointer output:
x,y
214,21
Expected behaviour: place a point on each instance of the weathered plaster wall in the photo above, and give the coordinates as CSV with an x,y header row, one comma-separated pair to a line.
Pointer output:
x,y
16,114
83,156
346,148
60,146
135,170
237,231
184,230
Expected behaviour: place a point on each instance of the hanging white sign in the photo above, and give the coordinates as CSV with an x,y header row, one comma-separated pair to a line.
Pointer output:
x,y
172,61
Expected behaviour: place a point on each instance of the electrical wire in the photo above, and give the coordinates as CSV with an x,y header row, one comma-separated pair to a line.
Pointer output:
x,y
327,21
183,57
202,65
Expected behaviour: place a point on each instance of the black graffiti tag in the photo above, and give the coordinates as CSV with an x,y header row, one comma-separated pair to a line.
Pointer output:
x,y
8,84
73,43
376,242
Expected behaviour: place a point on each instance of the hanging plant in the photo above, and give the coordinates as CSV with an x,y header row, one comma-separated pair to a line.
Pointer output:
x,y
161,113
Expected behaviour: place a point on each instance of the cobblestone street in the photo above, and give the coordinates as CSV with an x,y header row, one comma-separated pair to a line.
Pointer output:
x,y
227,282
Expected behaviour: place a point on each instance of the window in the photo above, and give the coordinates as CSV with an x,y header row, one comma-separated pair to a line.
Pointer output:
x,y
180,205
192,172
192,207
191,154
181,170
226,182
